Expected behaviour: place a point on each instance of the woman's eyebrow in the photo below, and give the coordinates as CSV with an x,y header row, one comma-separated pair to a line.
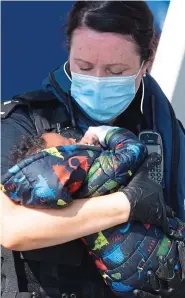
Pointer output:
x,y
118,64
81,60
110,64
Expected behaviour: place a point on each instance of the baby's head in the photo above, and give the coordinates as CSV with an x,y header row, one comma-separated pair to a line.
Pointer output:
x,y
34,144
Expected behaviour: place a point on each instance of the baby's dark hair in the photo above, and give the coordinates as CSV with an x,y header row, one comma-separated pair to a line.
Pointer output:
x,y
26,147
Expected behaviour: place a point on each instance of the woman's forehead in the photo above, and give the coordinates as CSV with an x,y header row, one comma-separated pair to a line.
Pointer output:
x,y
103,48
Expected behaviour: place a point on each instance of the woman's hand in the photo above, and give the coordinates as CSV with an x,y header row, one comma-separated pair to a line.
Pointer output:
x,y
146,197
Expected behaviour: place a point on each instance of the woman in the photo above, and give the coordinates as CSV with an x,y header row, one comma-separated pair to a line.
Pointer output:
x,y
110,45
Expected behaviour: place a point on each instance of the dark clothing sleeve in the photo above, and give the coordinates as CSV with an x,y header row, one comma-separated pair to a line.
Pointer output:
x,y
16,125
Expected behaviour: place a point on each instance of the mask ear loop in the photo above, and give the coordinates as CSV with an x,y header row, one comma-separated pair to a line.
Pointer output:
x,y
140,69
143,91
66,71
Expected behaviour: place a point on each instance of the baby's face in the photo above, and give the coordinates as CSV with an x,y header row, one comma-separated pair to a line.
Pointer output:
x,y
54,140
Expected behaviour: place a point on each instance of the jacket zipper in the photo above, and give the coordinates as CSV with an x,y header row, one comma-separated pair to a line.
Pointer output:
x,y
175,161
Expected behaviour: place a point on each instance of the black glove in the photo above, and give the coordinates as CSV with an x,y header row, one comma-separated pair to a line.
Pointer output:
x,y
166,283
146,197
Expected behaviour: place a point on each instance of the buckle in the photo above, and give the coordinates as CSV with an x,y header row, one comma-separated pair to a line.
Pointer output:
x,y
35,295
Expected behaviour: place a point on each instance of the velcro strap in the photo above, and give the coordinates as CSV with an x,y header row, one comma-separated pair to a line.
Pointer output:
x,y
49,280
17,295
11,282
181,249
8,295
50,292
49,274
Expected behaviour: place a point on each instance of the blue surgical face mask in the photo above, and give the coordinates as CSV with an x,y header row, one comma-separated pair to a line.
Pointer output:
x,y
103,98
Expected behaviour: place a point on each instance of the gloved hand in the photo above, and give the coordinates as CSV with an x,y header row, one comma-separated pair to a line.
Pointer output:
x,y
146,197
167,283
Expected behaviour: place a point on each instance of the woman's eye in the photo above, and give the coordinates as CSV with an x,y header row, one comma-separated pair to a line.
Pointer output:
x,y
85,69
115,73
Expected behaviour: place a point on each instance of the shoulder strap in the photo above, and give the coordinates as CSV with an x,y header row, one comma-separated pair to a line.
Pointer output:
x,y
174,160
27,98
45,110
181,126
7,107
36,96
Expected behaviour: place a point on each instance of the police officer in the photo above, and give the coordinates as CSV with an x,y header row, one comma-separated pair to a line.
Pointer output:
x,y
110,48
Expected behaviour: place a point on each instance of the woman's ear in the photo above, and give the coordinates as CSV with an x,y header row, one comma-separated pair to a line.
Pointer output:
x,y
145,68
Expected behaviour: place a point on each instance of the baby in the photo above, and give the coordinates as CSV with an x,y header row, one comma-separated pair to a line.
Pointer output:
x,y
51,171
